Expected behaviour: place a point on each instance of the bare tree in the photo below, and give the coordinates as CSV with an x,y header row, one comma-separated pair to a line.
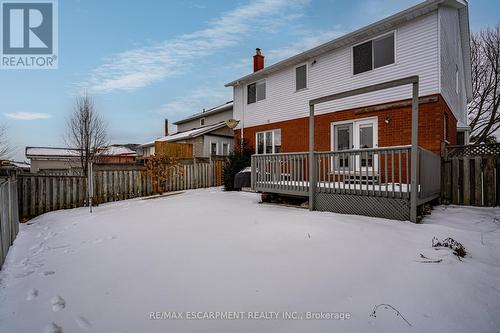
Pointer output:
x,y
4,145
86,131
484,113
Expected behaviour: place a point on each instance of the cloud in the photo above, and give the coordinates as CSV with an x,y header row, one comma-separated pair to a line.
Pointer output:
x,y
307,41
140,67
194,102
27,115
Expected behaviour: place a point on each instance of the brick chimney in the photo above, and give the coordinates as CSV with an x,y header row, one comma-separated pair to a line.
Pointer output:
x,y
166,127
258,60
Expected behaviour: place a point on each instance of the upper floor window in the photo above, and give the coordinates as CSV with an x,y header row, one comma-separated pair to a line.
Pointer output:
x,y
373,54
301,77
202,121
457,81
256,92
269,142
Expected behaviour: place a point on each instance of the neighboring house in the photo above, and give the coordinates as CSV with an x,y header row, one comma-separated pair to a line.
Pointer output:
x,y
207,131
64,160
430,40
51,159
118,154
20,166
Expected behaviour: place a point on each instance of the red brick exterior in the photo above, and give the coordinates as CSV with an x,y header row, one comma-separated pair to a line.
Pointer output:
x,y
294,133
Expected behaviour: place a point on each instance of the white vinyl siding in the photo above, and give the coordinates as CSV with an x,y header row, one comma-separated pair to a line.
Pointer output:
x,y
210,119
219,141
416,54
452,73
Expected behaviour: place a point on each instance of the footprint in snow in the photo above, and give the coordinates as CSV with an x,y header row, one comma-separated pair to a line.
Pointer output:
x,y
32,294
47,273
57,303
83,323
35,247
24,274
52,328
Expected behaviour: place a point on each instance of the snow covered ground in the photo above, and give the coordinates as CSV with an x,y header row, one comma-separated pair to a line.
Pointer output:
x,y
209,251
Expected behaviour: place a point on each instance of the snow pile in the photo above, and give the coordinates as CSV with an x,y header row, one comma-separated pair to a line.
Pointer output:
x,y
130,264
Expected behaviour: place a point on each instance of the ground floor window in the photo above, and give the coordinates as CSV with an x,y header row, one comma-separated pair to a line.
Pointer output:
x,y
268,142
213,148
225,149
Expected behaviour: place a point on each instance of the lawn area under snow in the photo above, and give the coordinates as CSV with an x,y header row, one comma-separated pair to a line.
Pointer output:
x,y
208,250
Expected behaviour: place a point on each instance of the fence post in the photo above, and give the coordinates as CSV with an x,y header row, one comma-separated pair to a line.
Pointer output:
x,y
489,182
466,181
414,154
312,164
252,173
455,188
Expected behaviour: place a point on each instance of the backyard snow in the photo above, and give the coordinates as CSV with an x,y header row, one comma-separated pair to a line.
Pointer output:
x,y
208,250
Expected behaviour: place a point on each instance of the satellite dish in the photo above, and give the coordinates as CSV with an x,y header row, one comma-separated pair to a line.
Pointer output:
x,y
232,123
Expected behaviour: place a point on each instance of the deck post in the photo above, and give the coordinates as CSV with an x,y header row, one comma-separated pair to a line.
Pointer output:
x,y
312,165
414,154
253,166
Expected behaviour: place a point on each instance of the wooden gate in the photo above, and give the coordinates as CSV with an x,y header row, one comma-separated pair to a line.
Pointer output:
x,y
218,172
471,175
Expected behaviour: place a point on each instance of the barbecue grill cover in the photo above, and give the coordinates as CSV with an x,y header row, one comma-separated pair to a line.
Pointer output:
x,y
242,179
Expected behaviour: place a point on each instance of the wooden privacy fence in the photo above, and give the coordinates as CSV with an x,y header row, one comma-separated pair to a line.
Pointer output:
x,y
471,175
9,219
172,149
39,194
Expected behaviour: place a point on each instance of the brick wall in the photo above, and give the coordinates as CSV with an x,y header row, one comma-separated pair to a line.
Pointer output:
x,y
294,133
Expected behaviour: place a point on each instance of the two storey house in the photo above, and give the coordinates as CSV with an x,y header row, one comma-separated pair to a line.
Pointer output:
x,y
362,159
430,40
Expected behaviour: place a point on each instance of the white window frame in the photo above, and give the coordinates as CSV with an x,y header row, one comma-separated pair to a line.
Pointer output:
x,y
356,123
273,151
257,100
373,59
307,76
228,148
202,120
216,147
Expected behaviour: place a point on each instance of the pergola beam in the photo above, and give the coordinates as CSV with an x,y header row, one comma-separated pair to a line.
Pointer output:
x,y
413,80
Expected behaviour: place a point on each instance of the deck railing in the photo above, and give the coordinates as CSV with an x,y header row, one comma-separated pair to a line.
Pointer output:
x,y
286,173
378,172
382,172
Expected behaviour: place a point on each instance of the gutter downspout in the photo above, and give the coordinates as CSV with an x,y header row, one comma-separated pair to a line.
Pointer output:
x,y
242,120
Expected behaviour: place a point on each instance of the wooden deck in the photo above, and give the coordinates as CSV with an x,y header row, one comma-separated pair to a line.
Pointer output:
x,y
374,182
